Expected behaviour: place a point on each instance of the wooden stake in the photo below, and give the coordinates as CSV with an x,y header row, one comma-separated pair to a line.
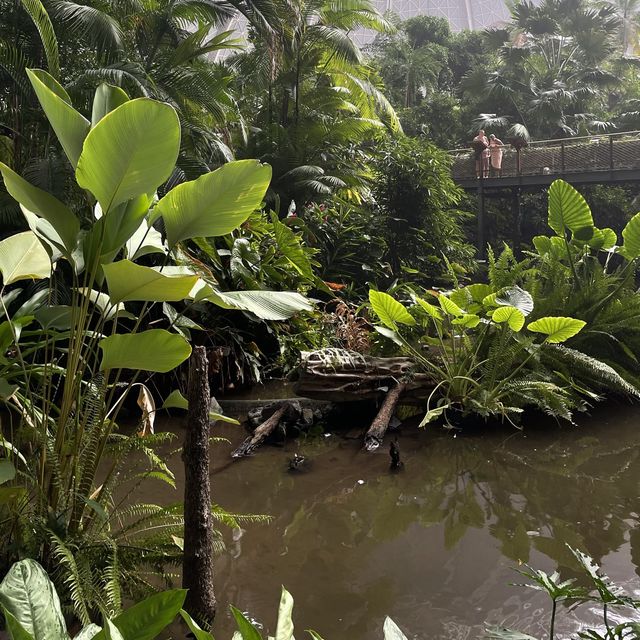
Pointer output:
x,y
197,564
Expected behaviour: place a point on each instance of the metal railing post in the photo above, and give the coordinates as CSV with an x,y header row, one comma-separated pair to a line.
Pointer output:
x,y
562,157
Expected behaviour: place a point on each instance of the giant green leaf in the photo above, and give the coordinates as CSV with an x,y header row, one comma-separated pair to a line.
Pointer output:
x,y
631,235
268,305
130,152
557,328
511,315
27,593
431,309
284,626
88,632
510,297
106,99
22,257
70,127
110,233
62,219
145,620
568,209
450,307
152,350
216,203
389,310
129,281
603,239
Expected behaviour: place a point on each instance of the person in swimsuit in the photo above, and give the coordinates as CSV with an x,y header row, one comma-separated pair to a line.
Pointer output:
x,y
495,152
480,145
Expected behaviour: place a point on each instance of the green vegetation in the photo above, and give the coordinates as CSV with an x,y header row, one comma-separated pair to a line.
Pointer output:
x,y
554,331
165,184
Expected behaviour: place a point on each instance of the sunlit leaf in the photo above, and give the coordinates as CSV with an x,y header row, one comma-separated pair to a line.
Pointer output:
x,y
389,310
130,152
152,350
22,257
557,329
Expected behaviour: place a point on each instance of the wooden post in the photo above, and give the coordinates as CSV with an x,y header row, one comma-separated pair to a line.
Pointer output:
x,y
197,564
516,209
480,232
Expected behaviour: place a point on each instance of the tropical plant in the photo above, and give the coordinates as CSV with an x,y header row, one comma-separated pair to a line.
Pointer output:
x,y
473,343
553,73
421,208
75,346
581,270
601,591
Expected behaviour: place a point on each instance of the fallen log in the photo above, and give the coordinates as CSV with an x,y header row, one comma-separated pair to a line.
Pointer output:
x,y
338,375
375,435
261,432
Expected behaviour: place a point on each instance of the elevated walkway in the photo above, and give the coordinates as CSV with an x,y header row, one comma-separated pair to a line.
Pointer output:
x,y
599,159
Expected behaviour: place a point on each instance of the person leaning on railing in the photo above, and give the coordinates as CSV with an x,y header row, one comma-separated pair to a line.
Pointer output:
x,y
480,146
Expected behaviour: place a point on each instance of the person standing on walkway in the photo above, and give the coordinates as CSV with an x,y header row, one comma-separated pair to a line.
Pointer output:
x,y
495,152
480,146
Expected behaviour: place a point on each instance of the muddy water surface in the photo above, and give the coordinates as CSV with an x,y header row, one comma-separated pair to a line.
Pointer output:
x,y
434,546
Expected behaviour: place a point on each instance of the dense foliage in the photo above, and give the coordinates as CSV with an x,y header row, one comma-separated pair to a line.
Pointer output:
x,y
554,331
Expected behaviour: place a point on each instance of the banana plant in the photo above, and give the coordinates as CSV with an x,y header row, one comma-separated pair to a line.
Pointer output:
x,y
67,369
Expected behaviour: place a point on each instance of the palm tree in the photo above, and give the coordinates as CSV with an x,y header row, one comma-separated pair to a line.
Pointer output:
x,y
553,67
627,13
311,97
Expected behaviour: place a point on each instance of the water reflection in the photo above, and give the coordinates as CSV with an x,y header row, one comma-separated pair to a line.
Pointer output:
x,y
435,545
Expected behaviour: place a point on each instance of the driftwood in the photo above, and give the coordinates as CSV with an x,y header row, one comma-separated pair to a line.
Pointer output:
x,y
375,435
262,431
342,376
197,564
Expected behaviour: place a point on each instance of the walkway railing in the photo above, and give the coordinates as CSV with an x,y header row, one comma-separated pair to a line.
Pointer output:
x,y
610,152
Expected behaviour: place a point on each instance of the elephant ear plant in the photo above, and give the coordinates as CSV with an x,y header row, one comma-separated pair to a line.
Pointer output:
x,y
71,352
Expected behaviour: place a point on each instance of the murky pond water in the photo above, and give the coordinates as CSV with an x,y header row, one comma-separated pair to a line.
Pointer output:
x,y
434,546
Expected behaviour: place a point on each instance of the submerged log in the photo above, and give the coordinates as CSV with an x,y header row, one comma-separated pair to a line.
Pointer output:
x,y
343,376
375,435
262,432
197,564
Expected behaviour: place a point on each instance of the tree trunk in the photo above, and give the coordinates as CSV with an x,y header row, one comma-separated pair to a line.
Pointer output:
x,y
197,564
373,438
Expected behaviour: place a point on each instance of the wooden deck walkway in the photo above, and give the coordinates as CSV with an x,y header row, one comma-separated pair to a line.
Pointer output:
x,y
594,159
600,159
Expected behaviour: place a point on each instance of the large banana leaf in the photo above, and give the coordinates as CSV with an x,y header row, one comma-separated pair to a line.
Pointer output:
x,y
129,281
22,257
153,350
216,203
70,126
27,593
130,152
106,99
61,218
268,305
568,210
